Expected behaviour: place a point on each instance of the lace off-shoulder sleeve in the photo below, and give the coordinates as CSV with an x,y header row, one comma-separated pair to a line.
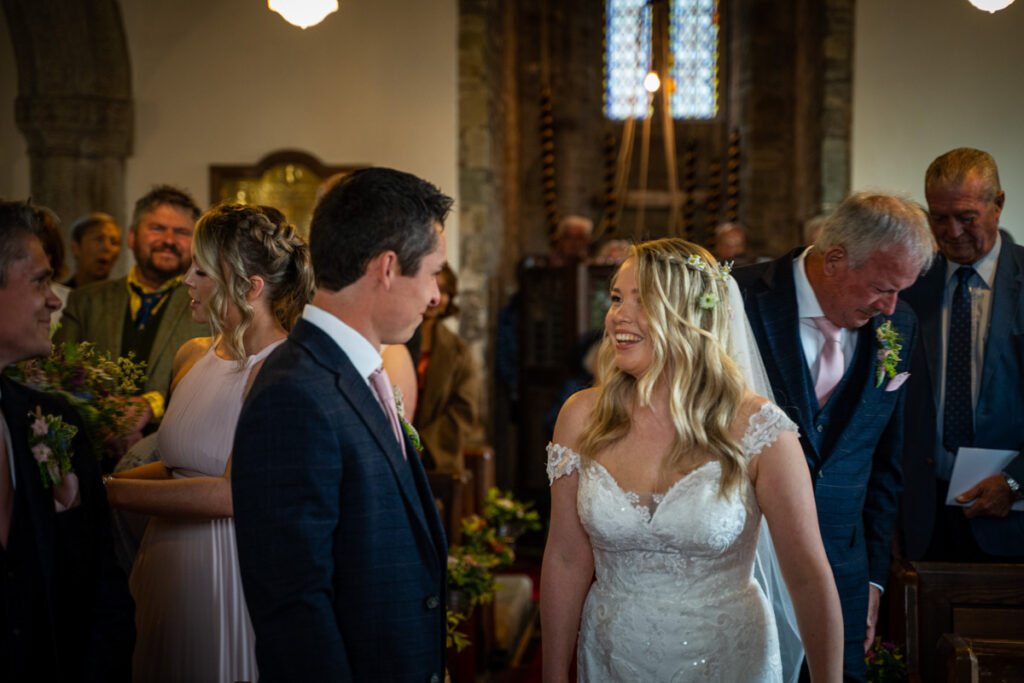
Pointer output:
x,y
764,428
561,461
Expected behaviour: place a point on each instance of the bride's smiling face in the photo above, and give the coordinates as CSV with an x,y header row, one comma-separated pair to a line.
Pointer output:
x,y
626,323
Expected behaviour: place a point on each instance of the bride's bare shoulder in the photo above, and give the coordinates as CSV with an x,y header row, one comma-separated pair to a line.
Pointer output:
x,y
573,417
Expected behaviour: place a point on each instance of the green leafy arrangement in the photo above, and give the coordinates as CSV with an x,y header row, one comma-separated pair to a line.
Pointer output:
x,y
488,543
96,384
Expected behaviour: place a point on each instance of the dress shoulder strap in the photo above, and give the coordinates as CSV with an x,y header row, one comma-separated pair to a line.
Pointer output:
x,y
561,461
764,428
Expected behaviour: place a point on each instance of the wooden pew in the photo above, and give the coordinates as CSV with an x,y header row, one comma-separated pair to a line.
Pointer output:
x,y
972,660
979,603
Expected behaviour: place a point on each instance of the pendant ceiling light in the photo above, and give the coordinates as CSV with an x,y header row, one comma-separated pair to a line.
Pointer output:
x,y
304,13
991,5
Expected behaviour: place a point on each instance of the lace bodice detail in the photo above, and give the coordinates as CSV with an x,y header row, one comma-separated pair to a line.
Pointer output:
x,y
674,597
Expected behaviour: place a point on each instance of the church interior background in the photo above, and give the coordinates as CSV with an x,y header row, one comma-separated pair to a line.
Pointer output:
x,y
501,104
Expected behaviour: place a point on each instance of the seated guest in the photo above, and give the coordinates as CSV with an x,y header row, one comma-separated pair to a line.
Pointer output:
x,y
249,279
967,375
147,311
731,245
570,241
65,612
95,244
449,384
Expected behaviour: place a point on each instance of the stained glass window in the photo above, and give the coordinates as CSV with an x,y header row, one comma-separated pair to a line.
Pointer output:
x,y
627,58
693,40
692,35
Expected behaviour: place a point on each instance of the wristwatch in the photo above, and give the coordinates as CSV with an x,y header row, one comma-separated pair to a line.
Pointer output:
x,y
1015,491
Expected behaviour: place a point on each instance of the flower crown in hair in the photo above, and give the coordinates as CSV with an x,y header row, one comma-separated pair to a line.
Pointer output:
x,y
709,299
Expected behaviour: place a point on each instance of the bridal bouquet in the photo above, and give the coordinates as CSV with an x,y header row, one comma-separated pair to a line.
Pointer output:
x,y
97,385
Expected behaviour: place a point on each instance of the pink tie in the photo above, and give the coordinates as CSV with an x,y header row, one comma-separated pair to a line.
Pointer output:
x,y
381,383
830,363
6,490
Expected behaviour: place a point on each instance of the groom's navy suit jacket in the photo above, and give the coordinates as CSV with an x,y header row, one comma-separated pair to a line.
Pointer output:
x,y
853,444
65,610
998,415
342,553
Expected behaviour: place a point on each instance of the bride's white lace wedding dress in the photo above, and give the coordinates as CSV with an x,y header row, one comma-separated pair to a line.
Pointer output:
x,y
674,597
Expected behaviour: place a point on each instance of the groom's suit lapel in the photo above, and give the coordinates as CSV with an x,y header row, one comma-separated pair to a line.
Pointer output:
x,y
358,394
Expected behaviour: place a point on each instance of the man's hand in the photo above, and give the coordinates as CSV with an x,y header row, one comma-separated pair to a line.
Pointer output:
x,y
992,498
874,598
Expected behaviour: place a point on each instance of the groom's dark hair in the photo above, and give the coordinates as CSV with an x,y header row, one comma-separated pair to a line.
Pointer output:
x,y
371,211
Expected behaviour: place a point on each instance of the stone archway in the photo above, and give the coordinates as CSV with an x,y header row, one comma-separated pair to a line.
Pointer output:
x,y
74,103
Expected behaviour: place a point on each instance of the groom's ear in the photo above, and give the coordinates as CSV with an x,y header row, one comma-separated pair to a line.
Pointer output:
x,y
835,259
383,268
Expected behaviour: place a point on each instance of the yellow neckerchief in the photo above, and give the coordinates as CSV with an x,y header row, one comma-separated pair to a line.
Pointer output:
x,y
155,399
135,301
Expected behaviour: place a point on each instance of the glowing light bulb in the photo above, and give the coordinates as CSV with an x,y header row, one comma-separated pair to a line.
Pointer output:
x,y
991,6
652,82
303,13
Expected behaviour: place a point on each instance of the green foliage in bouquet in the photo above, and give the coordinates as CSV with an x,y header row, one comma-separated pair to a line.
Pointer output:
x,y
886,663
93,382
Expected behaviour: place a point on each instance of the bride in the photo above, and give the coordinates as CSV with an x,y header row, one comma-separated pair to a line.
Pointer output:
x,y
659,477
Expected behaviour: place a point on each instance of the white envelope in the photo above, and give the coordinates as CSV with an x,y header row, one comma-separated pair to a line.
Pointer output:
x,y
974,464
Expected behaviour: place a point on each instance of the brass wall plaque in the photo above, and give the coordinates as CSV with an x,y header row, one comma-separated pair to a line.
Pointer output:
x,y
287,180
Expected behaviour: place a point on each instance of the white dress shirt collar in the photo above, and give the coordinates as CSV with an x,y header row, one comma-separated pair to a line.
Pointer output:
x,y
358,348
985,266
807,305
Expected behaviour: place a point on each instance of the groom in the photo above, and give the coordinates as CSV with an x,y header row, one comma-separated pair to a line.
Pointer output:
x,y
65,611
820,315
341,550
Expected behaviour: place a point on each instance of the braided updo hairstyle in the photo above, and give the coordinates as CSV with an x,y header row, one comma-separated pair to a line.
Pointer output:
x,y
234,242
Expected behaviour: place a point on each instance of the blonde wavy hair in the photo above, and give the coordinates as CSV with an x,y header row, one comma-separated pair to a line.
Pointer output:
x,y
687,309
234,242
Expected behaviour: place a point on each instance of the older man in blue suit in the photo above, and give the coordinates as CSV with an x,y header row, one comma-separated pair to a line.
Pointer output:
x,y
341,550
829,326
968,386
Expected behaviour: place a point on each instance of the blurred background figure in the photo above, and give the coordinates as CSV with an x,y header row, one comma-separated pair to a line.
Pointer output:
x,y
570,241
53,247
731,244
449,383
583,365
95,244
612,253
812,228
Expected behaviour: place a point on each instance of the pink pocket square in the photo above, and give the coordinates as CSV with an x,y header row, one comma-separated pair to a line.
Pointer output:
x,y
897,381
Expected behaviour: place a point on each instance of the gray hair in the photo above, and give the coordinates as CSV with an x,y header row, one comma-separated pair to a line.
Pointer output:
x,y
19,221
867,222
953,168
563,226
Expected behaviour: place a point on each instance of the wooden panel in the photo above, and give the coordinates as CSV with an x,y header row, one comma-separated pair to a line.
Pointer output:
x,y
972,660
984,601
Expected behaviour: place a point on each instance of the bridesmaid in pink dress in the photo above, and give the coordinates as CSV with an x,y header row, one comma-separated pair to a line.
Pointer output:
x,y
250,277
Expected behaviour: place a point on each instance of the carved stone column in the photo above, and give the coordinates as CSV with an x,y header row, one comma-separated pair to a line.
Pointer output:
x,y
74,102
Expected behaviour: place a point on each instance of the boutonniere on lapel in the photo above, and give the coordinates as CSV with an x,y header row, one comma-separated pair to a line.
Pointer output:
x,y
409,430
889,348
50,442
